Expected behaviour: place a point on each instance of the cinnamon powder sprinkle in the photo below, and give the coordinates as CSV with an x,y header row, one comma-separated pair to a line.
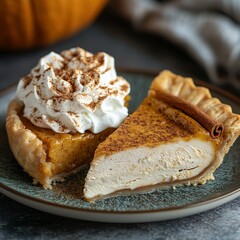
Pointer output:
x,y
156,123
214,128
27,81
90,78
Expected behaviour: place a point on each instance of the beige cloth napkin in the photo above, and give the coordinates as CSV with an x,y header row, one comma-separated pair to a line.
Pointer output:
x,y
209,30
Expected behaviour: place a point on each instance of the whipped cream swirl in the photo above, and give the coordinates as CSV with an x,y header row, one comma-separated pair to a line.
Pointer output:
x,y
74,92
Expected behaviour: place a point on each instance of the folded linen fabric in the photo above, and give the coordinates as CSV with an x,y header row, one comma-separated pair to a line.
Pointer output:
x,y
209,30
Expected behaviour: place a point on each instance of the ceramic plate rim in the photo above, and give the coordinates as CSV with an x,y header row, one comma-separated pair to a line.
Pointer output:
x,y
197,207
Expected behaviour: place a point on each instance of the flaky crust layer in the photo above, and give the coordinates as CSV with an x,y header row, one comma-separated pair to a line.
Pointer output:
x,y
26,147
201,97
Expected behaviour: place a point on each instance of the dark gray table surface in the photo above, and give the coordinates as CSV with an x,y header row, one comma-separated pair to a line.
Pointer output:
x,y
131,51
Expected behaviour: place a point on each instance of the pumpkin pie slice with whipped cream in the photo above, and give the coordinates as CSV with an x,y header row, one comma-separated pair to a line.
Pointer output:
x,y
63,109
178,135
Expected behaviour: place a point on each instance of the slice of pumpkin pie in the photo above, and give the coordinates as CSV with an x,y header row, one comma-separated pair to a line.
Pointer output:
x,y
66,106
178,135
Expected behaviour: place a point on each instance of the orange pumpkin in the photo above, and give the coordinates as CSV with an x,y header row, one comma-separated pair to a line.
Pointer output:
x,y
33,23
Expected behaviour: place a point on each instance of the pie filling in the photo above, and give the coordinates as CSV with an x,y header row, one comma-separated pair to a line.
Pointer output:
x,y
148,166
63,150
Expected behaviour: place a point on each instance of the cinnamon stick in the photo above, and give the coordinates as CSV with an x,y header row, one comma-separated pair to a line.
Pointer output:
x,y
214,128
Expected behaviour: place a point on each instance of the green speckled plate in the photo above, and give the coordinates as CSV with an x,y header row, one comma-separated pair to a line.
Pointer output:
x,y
65,198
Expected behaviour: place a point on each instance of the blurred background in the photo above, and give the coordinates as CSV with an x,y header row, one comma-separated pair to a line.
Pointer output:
x,y
200,40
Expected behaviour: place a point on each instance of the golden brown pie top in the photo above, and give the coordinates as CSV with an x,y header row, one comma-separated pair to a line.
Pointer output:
x,y
154,123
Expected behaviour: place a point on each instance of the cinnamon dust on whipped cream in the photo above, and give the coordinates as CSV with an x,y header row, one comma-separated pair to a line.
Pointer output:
x,y
74,91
